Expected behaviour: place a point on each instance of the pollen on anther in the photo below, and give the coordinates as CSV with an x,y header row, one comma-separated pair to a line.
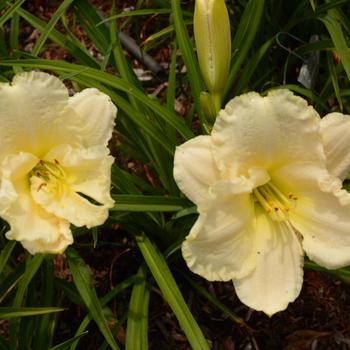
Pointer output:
x,y
41,186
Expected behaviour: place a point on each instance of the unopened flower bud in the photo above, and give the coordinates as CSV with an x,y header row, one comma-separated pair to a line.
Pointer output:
x,y
213,41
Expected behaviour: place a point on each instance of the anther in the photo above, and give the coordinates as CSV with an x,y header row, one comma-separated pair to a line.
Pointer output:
x,y
41,186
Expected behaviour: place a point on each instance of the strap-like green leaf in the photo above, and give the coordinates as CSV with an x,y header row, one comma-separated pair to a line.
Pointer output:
x,y
141,203
6,253
336,33
171,292
50,25
12,312
83,282
136,331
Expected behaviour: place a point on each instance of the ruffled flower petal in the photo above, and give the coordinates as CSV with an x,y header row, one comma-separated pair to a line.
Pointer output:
x,y
321,213
88,170
335,131
265,132
68,205
219,246
37,230
277,279
194,168
96,114
85,173
35,115
323,219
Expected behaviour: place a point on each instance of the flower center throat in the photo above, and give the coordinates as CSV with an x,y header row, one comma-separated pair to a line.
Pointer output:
x,y
48,172
274,202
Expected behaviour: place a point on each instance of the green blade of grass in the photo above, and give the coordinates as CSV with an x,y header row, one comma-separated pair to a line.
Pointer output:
x,y
32,266
12,312
149,203
46,323
104,300
138,314
50,25
334,77
330,5
14,33
166,282
6,253
158,156
336,33
214,301
65,345
167,30
89,19
83,282
10,11
67,42
121,62
10,281
250,67
342,274
244,37
188,55
142,12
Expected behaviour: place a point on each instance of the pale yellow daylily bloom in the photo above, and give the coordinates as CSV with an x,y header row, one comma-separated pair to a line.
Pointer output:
x,y
267,185
55,166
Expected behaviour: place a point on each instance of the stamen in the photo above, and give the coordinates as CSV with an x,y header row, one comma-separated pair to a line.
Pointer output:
x,y
274,202
52,174
261,199
41,186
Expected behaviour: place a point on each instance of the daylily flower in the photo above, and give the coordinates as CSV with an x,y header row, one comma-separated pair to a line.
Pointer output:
x,y
267,185
54,161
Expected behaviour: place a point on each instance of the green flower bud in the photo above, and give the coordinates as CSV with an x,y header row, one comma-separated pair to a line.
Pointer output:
x,y
213,40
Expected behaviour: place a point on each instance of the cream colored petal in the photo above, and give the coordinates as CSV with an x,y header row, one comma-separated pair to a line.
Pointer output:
x,y
220,245
321,213
265,132
37,230
88,170
194,168
96,114
323,219
67,204
56,247
278,276
335,131
34,115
